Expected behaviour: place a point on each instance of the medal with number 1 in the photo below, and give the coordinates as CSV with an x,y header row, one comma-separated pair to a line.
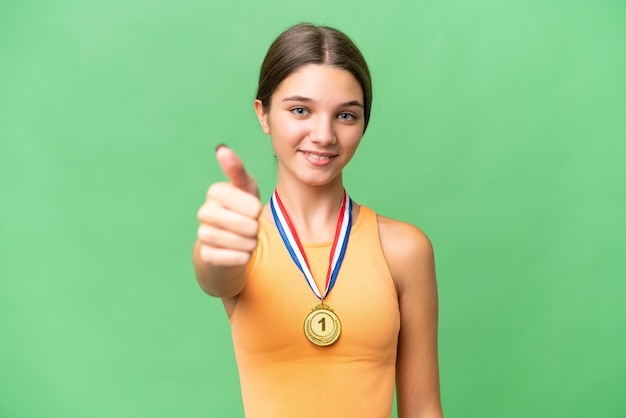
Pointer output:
x,y
321,326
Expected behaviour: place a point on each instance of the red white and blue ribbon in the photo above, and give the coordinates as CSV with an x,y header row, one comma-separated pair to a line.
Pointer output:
x,y
294,246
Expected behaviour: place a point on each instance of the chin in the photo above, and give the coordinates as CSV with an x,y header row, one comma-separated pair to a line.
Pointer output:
x,y
319,181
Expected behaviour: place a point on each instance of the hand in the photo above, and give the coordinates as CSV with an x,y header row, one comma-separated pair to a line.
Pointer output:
x,y
229,218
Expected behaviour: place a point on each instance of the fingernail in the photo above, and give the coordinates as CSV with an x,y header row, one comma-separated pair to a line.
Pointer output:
x,y
220,146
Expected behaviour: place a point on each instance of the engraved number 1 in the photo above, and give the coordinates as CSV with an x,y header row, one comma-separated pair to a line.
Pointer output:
x,y
323,322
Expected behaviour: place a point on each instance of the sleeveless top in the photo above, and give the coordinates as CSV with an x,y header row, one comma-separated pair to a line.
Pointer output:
x,y
282,374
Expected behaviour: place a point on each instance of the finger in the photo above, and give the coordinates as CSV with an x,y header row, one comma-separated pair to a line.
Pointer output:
x,y
230,197
223,257
216,237
217,216
234,169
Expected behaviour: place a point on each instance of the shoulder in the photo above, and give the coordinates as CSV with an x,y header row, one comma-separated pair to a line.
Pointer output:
x,y
409,256
407,250
402,240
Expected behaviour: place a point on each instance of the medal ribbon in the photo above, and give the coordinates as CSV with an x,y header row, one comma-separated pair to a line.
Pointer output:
x,y
294,246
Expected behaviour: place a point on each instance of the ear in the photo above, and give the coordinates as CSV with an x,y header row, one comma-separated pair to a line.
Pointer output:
x,y
262,115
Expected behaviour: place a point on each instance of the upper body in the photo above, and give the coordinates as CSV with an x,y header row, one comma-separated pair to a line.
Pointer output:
x,y
315,114
282,373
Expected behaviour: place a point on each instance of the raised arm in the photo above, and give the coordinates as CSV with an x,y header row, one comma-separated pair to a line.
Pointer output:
x,y
227,235
410,258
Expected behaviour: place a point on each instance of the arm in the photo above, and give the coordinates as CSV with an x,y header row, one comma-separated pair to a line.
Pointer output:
x,y
410,258
228,229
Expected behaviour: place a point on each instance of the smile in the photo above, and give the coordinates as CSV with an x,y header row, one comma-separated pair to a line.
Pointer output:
x,y
319,157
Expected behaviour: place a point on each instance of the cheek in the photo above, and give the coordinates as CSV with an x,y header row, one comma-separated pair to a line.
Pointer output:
x,y
288,131
352,136
353,147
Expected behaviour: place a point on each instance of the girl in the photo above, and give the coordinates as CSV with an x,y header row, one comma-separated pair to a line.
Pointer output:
x,y
330,304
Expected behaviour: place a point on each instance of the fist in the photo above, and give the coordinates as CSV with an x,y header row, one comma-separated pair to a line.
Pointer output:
x,y
229,218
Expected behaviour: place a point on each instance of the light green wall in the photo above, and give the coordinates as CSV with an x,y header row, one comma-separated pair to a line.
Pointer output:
x,y
498,127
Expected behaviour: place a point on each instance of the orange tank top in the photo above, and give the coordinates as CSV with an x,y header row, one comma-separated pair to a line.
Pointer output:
x,y
282,374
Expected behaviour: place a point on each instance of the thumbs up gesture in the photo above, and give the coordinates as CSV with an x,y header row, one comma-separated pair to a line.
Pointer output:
x,y
229,222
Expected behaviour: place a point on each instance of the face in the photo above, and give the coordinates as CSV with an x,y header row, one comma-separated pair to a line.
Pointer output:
x,y
316,121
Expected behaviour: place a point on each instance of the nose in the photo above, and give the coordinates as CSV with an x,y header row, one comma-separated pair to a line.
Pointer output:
x,y
323,130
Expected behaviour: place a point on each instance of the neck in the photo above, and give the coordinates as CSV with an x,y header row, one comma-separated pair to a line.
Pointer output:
x,y
313,210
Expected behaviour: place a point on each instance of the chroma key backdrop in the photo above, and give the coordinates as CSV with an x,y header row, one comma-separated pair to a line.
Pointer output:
x,y
499,128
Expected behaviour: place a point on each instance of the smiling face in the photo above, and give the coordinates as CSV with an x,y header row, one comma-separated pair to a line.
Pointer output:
x,y
316,121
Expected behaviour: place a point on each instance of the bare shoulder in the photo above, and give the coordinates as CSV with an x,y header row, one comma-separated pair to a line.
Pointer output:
x,y
403,236
408,251
409,255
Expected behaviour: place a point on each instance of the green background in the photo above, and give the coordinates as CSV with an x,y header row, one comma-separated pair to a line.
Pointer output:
x,y
498,127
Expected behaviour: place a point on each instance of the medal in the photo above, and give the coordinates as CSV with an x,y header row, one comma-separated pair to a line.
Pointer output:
x,y
321,326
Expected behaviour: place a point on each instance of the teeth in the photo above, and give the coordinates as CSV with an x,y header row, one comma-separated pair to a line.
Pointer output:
x,y
317,156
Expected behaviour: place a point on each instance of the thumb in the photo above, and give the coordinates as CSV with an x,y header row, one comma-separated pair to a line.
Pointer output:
x,y
235,171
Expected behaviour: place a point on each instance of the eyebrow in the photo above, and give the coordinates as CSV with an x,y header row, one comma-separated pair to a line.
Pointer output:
x,y
307,99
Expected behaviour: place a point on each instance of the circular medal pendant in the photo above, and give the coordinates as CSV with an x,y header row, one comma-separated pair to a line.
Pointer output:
x,y
322,326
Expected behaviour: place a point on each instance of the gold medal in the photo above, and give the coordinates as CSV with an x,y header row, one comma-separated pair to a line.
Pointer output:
x,y
322,326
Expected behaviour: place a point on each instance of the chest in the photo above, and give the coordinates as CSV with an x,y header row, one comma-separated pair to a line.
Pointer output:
x,y
277,298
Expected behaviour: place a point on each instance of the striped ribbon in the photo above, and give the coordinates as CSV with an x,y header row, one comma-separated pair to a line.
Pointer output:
x,y
294,246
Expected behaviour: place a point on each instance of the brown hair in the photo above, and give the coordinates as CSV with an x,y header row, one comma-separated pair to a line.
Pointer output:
x,y
304,44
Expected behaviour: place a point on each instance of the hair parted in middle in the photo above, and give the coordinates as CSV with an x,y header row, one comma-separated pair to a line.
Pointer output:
x,y
304,44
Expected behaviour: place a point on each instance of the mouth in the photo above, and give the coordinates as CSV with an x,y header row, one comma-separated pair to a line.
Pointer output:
x,y
319,156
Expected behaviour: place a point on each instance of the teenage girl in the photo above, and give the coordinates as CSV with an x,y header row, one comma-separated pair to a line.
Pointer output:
x,y
330,304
